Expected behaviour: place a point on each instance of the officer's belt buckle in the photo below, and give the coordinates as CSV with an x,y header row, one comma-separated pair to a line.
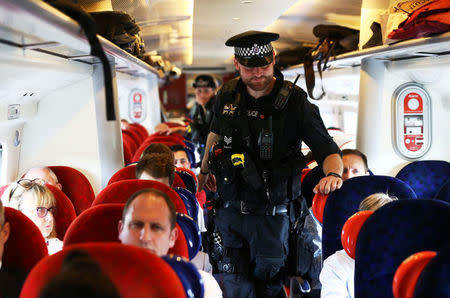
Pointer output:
x,y
244,210
277,209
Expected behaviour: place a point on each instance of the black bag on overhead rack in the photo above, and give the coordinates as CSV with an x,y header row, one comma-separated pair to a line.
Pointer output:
x,y
333,40
88,25
292,57
121,29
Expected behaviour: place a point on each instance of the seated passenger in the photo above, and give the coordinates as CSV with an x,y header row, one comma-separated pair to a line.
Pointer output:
x,y
156,166
148,221
355,164
157,148
11,281
43,173
37,202
337,276
181,157
80,276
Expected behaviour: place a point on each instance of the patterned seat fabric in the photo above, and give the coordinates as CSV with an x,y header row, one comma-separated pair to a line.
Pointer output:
x,y
444,193
425,177
393,233
435,277
343,203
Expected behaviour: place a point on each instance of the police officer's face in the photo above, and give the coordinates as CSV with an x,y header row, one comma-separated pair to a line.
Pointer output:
x,y
147,225
203,95
256,78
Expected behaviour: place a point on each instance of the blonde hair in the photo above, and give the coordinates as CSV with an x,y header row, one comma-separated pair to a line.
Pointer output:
x,y
13,197
375,201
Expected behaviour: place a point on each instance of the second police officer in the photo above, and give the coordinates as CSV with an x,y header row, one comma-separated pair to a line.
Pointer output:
x,y
254,147
205,91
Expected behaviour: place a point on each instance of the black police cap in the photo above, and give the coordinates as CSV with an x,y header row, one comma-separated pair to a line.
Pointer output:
x,y
204,81
253,48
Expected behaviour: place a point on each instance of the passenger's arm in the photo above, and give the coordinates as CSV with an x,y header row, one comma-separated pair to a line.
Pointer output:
x,y
204,168
332,280
332,163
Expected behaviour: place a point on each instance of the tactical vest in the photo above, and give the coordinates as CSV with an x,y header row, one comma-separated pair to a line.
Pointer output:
x,y
239,171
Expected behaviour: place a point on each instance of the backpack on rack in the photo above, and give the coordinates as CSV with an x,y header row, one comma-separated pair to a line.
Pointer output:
x,y
333,40
422,21
119,28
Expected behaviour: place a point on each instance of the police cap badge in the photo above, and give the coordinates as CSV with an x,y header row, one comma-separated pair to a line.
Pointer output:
x,y
253,48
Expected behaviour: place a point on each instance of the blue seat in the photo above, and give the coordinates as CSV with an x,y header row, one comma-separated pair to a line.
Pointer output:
x,y
393,233
343,203
444,193
425,177
190,201
191,233
434,281
188,274
188,180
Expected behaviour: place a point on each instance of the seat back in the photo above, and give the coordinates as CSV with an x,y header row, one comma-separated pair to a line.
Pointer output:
x,y
425,177
191,232
100,224
166,140
76,186
189,179
25,246
189,201
188,274
128,140
435,277
393,233
120,191
343,203
135,272
444,193
139,129
309,182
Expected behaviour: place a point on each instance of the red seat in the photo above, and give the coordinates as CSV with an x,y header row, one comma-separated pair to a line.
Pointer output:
x,y
135,272
25,246
76,186
132,136
141,130
120,191
100,224
127,155
129,172
350,231
130,142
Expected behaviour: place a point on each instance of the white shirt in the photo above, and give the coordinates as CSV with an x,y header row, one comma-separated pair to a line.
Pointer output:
x,y
53,245
201,262
337,276
212,289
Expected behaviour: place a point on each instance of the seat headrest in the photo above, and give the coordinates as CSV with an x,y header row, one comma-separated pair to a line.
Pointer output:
x,y
189,179
190,202
419,225
76,186
188,274
26,245
425,177
191,232
350,231
134,271
407,274
65,212
344,202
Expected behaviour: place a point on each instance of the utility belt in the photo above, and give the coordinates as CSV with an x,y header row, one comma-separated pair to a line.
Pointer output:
x,y
252,209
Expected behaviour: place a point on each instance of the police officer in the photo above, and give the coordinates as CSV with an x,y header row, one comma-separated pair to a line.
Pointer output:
x,y
205,91
258,125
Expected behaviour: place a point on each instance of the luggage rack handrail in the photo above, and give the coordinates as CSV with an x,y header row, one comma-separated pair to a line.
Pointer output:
x,y
35,25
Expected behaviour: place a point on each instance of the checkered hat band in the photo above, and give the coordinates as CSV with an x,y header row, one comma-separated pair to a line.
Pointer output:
x,y
255,50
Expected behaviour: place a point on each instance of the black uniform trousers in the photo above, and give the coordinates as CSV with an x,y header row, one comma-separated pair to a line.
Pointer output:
x,y
263,244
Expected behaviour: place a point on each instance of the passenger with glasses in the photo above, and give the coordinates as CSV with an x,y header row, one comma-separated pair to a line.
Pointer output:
x,y
37,202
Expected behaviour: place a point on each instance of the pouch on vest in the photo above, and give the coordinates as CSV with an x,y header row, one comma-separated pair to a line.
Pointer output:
x,y
300,256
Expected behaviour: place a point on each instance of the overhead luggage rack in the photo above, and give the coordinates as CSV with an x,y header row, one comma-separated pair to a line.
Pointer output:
x,y
409,49
34,25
